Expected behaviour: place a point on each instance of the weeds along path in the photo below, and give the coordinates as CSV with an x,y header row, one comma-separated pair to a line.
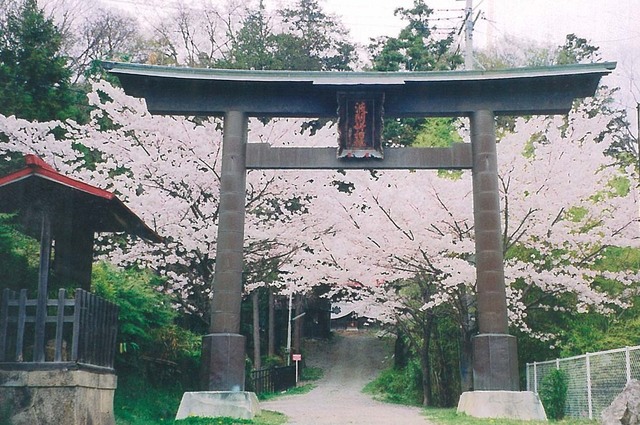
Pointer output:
x,y
349,362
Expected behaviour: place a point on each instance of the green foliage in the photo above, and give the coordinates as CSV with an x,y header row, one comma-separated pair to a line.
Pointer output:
x,y
34,77
553,393
401,386
255,44
451,417
438,133
271,361
576,50
19,256
414,49
212,421
311,374
142,307
5,409
150,343
314,40
311,41
139,402
265,418
301,389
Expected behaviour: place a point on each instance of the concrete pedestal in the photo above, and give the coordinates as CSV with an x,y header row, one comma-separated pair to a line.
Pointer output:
x,y
214,404
54,397
522,405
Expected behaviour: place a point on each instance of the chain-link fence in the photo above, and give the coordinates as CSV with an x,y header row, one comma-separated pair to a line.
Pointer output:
x,y
594,379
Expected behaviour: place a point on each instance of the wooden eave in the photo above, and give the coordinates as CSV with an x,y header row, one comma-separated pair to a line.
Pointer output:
x,y
40,186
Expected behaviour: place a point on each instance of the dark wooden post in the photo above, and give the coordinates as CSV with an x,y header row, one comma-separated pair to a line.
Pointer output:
x,y
223,350
495,359
43,283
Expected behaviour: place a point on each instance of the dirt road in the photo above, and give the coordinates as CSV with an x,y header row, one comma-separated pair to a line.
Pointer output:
x,y
349,362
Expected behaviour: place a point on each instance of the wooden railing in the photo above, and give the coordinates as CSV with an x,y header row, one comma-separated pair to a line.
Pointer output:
x,y
81,330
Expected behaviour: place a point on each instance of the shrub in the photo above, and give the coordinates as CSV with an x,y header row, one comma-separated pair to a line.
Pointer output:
x,y
402,386
149,341
553,394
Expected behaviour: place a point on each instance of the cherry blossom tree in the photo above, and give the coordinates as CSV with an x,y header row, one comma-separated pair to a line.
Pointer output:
x,y
406,237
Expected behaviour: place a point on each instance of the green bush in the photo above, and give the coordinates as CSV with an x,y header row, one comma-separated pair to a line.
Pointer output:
x,y
553,394
150,344
402,386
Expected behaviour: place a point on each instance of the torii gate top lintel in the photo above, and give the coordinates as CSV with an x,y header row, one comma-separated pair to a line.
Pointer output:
x,y
517,91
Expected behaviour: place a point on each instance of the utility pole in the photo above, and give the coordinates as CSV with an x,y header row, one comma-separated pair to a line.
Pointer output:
x,y
468,36
638,132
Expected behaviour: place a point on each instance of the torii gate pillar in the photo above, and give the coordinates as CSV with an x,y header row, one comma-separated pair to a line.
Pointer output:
x,y
495,354
223,350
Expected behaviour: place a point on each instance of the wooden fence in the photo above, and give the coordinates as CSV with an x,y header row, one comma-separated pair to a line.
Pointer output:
x,y
273,379
80,330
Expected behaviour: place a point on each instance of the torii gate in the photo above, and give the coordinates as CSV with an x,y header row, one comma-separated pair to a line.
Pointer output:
x,y
479,95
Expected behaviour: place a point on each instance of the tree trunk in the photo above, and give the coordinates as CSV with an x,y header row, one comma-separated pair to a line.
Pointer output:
x,y
400,351
425,362
271,350
467,330
444,372
297,325
255,299
466,361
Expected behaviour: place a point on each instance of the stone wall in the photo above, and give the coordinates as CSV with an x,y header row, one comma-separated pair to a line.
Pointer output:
x,y
57,397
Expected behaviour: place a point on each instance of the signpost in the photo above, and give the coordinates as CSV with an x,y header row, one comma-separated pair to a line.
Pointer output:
x,y
296,358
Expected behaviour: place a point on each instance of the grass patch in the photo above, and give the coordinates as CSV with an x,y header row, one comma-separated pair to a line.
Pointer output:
x,y
450,417
398,386
137,402
302,389
266,418
311,374
308,374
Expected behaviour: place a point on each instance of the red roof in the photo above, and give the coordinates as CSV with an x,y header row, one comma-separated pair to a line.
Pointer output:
x,y
40,185
36,166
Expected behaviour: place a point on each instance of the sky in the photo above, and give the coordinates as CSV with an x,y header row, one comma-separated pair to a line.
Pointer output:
x,y
613,25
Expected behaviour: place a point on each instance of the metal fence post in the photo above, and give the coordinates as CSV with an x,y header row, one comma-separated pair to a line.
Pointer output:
x,y
589,400
627,359
535,378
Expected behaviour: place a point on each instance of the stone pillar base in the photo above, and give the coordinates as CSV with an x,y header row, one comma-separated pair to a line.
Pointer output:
x,y
214,404
495,363
223,362
521,405
54,397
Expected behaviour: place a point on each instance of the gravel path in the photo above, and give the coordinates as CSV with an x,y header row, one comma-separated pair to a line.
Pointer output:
x,y
349,362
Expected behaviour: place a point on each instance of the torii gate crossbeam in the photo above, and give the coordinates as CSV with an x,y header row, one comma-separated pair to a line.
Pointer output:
x,y
479,95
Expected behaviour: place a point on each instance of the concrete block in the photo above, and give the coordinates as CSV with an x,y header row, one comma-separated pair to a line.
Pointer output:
x,y
213,404
522,405
54,397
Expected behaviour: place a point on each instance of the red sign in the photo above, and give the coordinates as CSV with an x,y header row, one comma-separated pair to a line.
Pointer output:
x,y
360,125
296,357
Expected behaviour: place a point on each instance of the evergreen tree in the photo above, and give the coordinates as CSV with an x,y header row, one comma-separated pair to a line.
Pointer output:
x,y
254,45
34,78
414,49
314,41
